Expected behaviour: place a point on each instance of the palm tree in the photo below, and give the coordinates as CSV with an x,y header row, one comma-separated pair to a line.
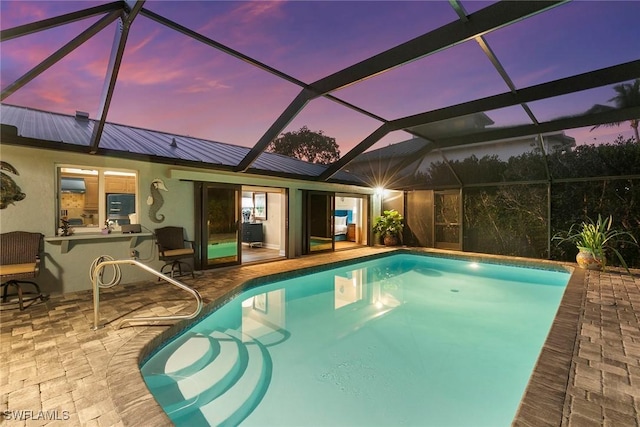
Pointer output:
x,y
627,95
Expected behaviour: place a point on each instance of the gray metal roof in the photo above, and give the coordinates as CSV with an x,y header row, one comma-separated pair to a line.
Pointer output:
x,y
76,130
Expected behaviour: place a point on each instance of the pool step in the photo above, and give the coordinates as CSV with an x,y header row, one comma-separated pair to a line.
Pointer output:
x,y
182,357
238,402
197,383
224,390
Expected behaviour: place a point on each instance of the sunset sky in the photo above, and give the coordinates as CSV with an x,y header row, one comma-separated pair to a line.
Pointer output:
x,y
172,83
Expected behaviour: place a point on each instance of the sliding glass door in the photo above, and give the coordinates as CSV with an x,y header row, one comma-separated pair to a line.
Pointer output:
x,y
217,219
319,222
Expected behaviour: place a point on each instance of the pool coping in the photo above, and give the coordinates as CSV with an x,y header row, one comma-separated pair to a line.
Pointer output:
x,y
543,402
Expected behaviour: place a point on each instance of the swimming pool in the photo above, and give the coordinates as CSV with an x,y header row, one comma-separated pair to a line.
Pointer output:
x,y
401,340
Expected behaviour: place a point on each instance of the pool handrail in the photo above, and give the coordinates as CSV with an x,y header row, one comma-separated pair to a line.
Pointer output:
x,y
96,294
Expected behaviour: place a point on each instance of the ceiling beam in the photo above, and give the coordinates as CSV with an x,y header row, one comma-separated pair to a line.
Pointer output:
x,y
497,16
375,136
274,130
585,81
612,116
590,80
209,42
479,23
46,24
503,73
111,78
60,53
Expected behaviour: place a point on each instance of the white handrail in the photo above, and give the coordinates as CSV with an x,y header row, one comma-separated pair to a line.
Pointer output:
x,y
96,294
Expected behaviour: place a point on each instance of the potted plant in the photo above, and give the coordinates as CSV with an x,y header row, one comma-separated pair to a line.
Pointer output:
x,y
593,239
389,225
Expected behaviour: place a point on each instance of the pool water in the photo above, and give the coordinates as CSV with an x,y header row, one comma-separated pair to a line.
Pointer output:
x,y
400,340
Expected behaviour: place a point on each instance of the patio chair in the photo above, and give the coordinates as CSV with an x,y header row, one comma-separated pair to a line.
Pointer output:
x,y
174,250
20,259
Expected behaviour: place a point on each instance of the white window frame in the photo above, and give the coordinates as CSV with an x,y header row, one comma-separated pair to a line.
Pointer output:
x,y
102,194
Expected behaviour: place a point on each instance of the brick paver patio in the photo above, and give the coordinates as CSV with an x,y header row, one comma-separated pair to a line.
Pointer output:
x,y
55,366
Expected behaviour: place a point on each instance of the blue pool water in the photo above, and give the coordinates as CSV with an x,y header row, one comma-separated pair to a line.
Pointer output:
x,y
401,340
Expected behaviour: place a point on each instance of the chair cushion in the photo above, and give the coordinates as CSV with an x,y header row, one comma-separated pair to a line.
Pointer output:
x,y
11,269
178,252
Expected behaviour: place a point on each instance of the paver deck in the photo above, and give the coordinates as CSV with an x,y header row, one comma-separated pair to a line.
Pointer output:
x,y
53,365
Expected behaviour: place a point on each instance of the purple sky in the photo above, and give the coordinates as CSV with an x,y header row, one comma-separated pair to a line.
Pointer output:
x,y
172,83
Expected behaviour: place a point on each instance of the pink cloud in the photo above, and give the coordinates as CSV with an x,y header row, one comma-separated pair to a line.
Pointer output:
x,y
202,84
536,76
135,48
245,14
22,12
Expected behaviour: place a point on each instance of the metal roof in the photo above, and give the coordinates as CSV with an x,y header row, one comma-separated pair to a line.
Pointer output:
x,y
76,130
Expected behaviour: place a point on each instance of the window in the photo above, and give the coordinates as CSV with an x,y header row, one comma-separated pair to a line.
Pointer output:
x,y
88,198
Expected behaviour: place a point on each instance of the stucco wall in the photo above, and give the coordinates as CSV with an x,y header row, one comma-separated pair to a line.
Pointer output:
x,y
69,272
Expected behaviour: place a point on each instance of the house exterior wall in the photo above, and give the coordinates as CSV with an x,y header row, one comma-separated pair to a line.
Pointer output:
x,y
69,272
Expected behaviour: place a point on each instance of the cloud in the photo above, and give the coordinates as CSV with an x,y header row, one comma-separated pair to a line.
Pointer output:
x,y
536,76
202,84
22,12
132,49
246,14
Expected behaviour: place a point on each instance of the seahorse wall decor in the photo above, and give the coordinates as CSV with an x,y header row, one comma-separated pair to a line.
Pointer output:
x,y
155,200
9,190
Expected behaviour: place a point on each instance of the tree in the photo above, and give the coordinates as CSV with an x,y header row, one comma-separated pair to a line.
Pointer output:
x,y
627,95
305,144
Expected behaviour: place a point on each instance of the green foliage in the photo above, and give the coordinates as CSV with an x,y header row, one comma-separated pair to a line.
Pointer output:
x,y
627,96
390,222
507,220
622,157
512,219
307,145
597,237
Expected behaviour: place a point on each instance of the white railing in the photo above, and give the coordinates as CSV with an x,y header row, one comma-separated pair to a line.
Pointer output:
x,y
96,294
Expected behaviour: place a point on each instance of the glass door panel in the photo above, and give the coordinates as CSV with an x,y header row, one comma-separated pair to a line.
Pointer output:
x,y
447,220
320,222
222,243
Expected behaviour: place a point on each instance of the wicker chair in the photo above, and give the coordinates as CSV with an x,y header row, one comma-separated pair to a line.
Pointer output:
x,y
173,250
20,259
